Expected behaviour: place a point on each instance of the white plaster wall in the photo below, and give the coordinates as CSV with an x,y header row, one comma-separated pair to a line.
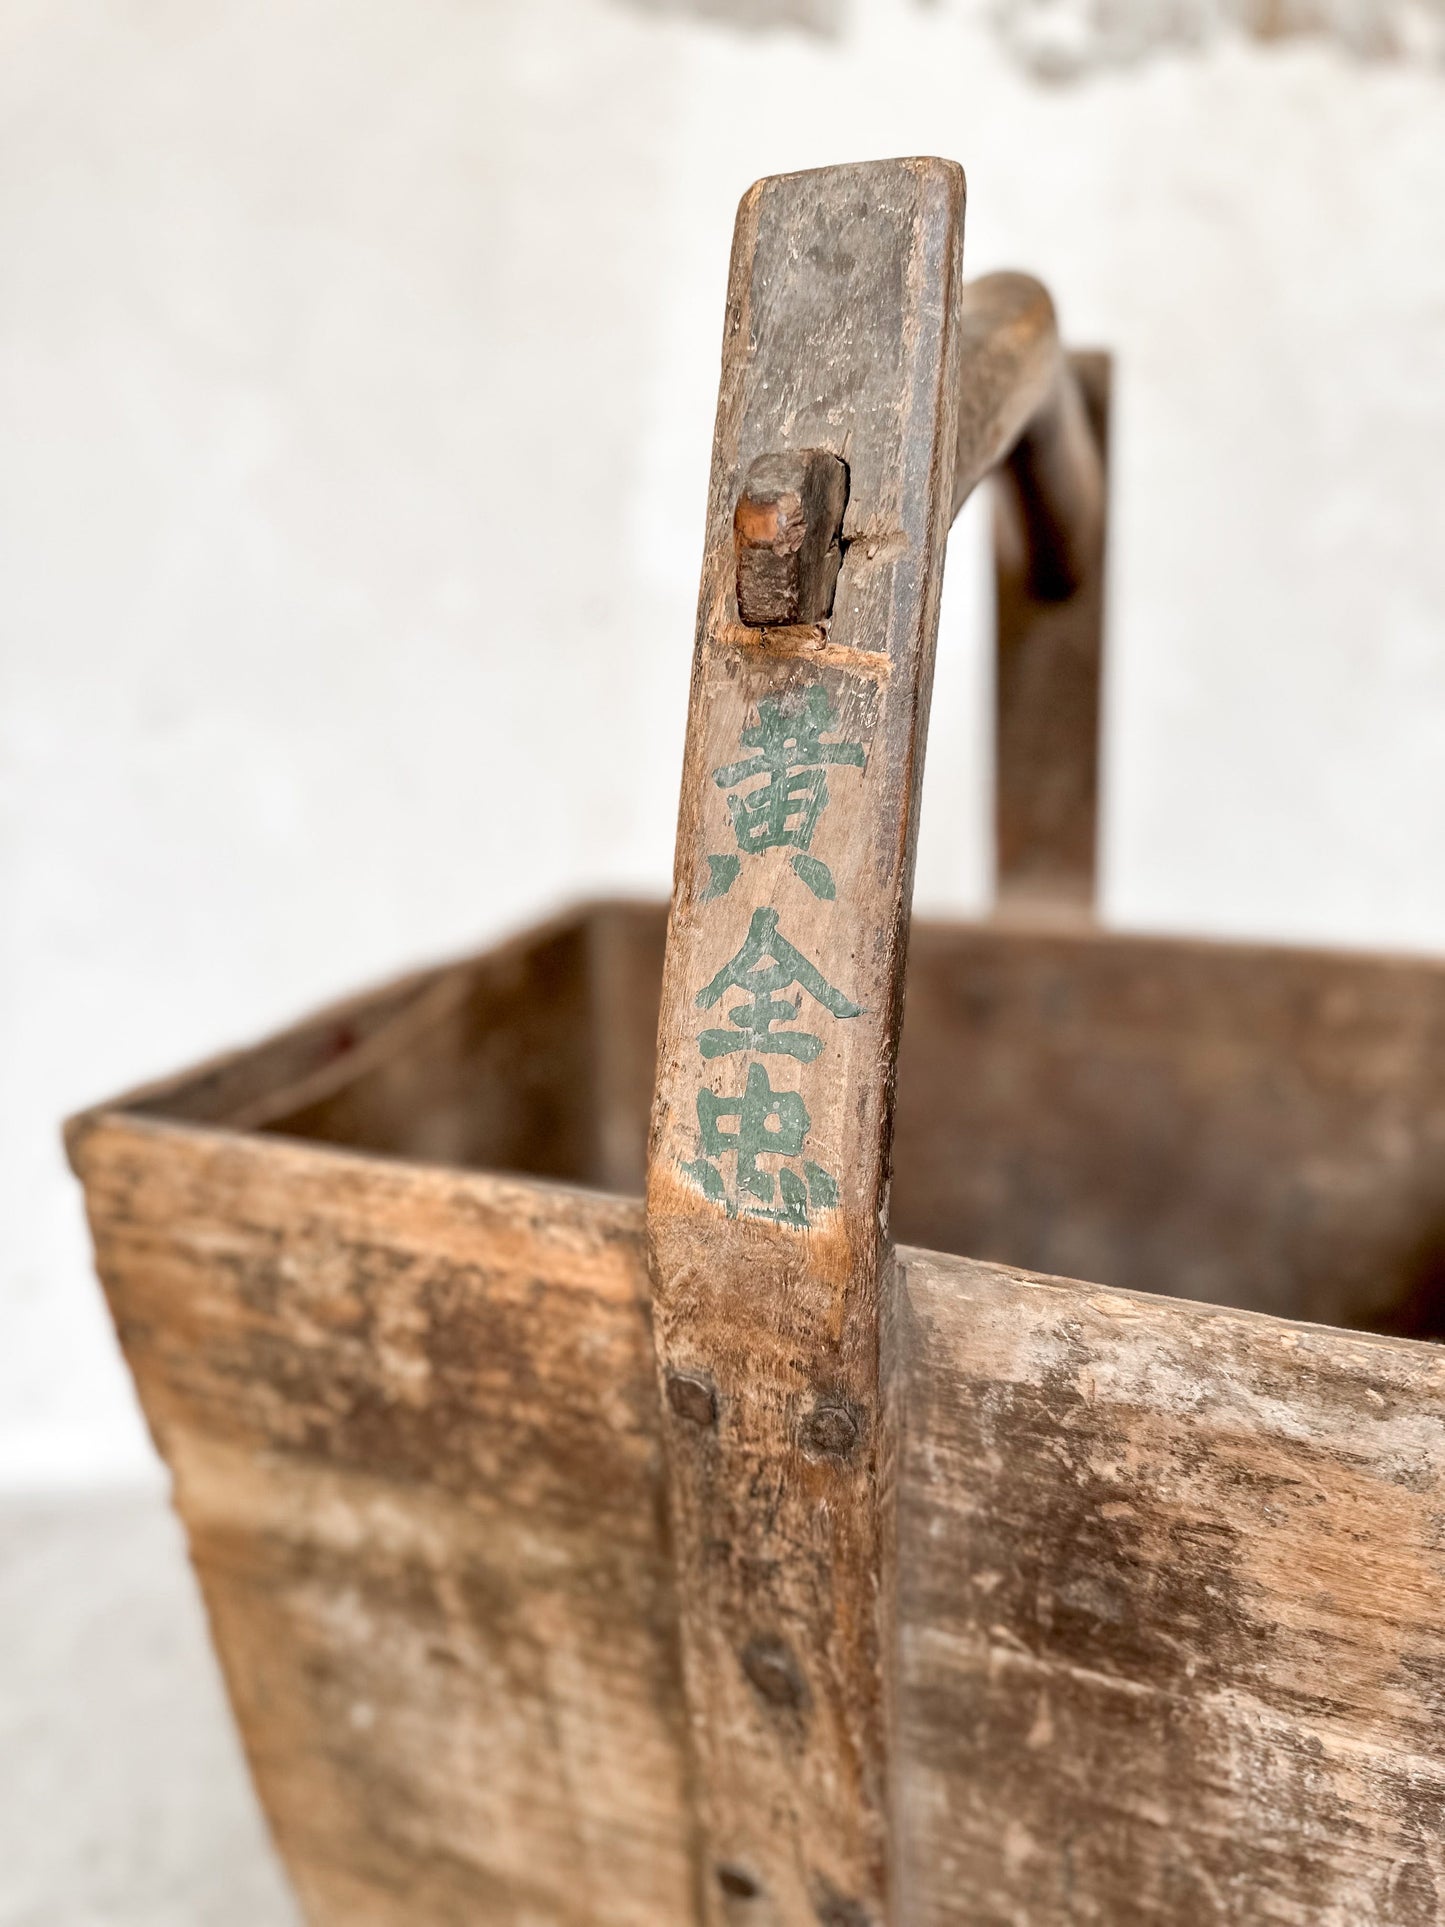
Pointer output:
x,y
357,365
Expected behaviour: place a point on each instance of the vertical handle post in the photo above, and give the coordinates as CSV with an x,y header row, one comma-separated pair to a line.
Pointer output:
x,y
864,393
782,992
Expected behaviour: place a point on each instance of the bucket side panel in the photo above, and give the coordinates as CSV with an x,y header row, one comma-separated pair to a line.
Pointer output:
x,y
1173,1612
411,1418
1240,1125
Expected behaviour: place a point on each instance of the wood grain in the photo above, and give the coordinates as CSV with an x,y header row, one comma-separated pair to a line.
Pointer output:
x,y
411,1419
1239,1123
1171,1578
1172,1588
489,1062
1254,1126
1020,411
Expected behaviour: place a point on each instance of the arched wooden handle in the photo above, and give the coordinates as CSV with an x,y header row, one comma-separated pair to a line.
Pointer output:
x,y
1020,407
1050,504
861,390
1037,419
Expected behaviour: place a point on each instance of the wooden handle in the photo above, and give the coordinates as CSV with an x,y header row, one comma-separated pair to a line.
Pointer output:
x,y
862,391
1037,419
1020,404
1050,508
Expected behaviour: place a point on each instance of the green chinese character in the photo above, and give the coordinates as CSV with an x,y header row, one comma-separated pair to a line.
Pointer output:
x,y
769,1124
782,810
767,964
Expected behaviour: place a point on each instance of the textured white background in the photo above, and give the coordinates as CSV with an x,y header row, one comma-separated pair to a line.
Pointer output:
x,y
357,365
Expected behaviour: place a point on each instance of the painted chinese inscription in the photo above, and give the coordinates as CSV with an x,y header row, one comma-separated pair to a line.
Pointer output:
x,y
776,796
781,810
766,964
768,1123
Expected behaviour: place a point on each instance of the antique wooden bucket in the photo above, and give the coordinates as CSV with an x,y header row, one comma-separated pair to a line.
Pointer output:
x,y
574,1560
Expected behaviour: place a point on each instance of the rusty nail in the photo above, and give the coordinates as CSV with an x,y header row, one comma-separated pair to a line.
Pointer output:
x,y
830,1431
773,1671
692,1397
838,1910
737,1883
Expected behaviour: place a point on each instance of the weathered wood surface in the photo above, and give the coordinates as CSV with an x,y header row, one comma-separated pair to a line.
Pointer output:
x,y
1173,1613
1009,343
1171,1579
780,1010
411,1416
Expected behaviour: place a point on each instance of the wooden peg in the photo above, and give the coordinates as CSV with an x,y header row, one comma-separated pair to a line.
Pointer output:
x,y
786,531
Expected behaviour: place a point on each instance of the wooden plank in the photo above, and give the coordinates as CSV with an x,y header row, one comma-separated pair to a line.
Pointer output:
x,y
1255,1126
1173,1610
1252,1125
1010,350
411,1416
768,1174
998,1598
1172,1580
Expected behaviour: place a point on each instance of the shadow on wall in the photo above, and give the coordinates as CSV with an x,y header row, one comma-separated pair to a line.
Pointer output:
x,y
1058,39
826,18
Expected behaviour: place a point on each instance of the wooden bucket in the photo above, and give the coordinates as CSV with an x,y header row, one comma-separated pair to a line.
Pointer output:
x,y
574,1560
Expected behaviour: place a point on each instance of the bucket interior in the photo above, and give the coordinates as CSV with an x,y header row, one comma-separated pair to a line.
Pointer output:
x,y
1255,1127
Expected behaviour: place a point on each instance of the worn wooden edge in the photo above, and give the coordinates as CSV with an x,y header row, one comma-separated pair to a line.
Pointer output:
x,y
387,1182
544,1207
206,1170
185,1181
1349,1348
497,1197
1011,361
